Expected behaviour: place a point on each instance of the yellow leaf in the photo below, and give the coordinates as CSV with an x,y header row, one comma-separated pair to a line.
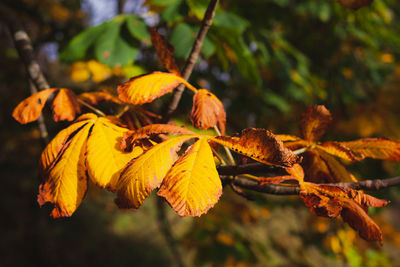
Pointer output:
x,y
65,184
377,148
53,149
339,150
260,145
286,137
100,71
146,88
192,186
146,172
65,105
105,160
30,108
79,72
337,170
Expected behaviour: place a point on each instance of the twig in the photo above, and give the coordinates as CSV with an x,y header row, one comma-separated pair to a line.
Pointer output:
x,y
369,185
249,168
23,44
194,54
99,112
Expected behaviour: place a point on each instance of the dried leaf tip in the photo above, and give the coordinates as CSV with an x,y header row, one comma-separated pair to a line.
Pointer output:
x,y
315,121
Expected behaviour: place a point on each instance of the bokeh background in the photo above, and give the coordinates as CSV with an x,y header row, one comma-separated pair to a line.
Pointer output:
x,y
267,60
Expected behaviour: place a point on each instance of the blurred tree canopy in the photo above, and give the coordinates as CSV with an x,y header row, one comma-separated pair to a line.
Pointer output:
x,y
266,60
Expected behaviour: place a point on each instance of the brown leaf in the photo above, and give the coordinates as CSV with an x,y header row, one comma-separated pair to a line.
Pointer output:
x,y
164,51
94,98
260,145
314,123
376,148
145,132
354,4
332,201
208,111
65,105
30,108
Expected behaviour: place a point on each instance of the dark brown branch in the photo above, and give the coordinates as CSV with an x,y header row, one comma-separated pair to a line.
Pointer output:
x,y
190,62
368,185
249,168
24,47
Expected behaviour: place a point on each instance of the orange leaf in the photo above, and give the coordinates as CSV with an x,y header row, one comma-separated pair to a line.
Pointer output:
x,y
164,51
65,105
260,145
286,137
192,186
145,88
339,150
207,111
145,132
354,4
94,98
296,171
30,108
314,123
377,148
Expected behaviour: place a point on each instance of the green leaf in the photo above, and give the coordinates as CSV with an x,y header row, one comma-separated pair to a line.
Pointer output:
x,y
138,28
174,12
228,20
182,38
77,48
198,7
111,48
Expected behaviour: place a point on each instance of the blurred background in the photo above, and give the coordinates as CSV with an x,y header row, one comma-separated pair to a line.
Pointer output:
x,y
267,60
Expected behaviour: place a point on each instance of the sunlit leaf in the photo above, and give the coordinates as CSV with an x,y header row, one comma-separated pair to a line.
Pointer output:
x,y
339,150
208,111
30,108
314,123
377,148
105,160
145,173
260,145
146,88
65,105
65,184
192,186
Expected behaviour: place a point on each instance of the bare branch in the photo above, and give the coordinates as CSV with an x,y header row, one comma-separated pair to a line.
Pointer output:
x,y
24,47
194,54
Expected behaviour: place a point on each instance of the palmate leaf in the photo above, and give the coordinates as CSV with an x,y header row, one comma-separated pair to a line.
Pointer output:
x,y
144,89
105,160
376,148
260,145
208,111
90,147
192,186
146,172
65,105
29,109
65,184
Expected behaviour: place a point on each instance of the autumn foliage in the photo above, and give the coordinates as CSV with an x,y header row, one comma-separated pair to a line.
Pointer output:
x,y
182,164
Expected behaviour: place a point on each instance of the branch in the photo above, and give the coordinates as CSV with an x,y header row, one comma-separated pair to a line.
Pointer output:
x,y
368,185
24,47
194,54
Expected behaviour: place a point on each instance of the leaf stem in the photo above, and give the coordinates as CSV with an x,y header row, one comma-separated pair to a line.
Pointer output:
x,y
97,111
227,151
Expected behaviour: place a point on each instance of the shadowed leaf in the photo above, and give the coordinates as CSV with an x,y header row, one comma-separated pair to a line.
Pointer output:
x,y
94,98
164,51
208,111
314,123
260,145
